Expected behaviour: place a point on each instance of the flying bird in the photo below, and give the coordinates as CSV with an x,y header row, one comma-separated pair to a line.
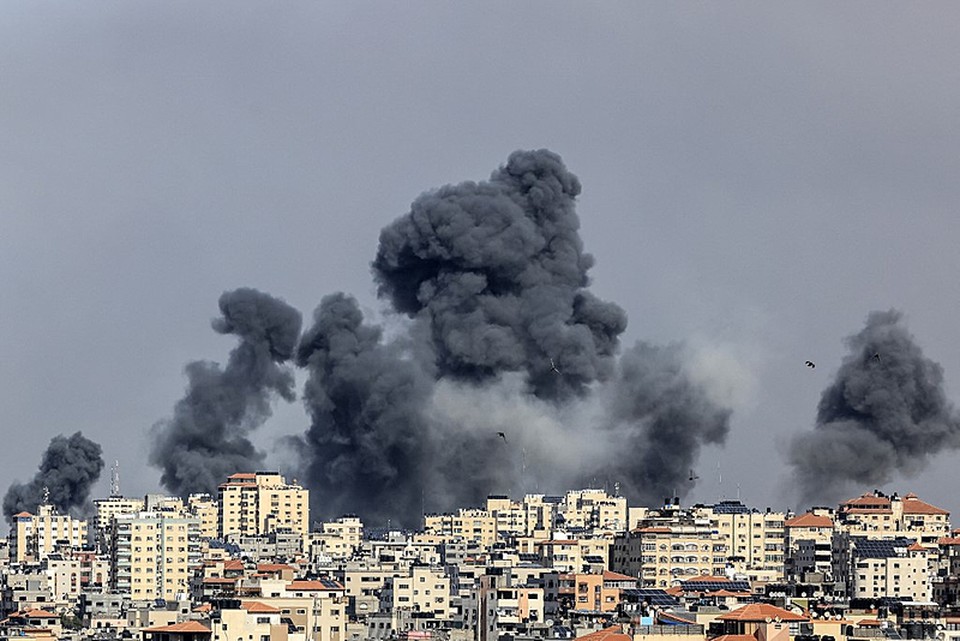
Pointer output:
x,y
877,356
553,366
810,364
503,436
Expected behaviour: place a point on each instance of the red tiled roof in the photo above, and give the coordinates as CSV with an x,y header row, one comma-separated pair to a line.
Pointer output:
x,y
868,502
34,613
186,626
21,515
233,564
616,576
256,607
242,475
653,530
273,567
309,586
809,520
913,505
613,633
735,637
761,612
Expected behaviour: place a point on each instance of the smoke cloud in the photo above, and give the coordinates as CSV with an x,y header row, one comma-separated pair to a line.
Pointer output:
x,y
207,437
497,272
68,469
885,413
367,447
502,336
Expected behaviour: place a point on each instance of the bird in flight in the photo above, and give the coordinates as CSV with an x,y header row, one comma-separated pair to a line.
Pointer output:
x,y
553,366
503,436
810,364
877,356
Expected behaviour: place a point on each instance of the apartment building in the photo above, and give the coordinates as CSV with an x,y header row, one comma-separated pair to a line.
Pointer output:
x,y
152,555
754,539
469,524
889,568
594,509
807,544
664,555
33,537
108,508
207,511
337,539
876,515
424,590
260,503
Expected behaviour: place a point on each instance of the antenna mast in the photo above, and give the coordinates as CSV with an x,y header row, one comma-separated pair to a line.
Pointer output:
x,y
115,479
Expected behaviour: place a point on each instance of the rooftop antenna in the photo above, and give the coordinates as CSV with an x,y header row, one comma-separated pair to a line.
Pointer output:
x,y
115,478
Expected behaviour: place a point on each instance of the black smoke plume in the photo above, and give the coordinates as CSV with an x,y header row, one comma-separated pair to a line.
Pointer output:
x,y
661,418
503,336
885,413
368,444
68,469
498,273
207,437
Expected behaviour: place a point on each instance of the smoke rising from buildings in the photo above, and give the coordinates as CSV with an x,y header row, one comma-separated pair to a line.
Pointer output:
x,y
493,279
207,437
884,413
367,448
69,468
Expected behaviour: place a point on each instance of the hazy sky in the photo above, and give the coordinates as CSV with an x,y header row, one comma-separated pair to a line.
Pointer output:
x,y
757,178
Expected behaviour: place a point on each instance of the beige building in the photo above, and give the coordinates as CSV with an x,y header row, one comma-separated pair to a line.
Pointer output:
x,y
207,511
425,590
754,540
468,524
574,555
807,544
876,515
152,555
594,509
890,568
665,555
35,537
337,539
260,503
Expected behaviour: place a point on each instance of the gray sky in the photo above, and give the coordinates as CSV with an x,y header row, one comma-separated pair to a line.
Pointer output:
x,y
756,178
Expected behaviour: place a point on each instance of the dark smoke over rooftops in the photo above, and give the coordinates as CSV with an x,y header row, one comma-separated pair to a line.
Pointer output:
x,y
502,336
885,413
496,332
68,469
368,444
206,439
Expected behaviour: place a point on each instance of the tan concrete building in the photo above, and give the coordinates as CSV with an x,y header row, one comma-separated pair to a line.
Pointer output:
x,y
876,515
207,511
425,590
262,502
468,524
337,539
33,537
807,544
890,568
665,555
754,539
152,555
